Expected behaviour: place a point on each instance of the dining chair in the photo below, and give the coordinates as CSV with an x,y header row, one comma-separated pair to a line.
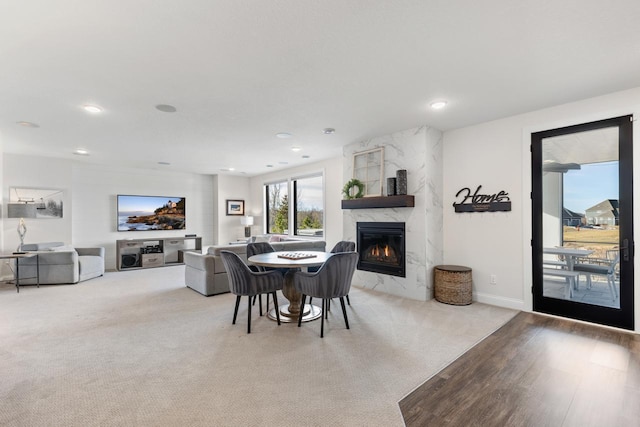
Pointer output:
x,y
332,280
245,282
256,249
341,246
607,269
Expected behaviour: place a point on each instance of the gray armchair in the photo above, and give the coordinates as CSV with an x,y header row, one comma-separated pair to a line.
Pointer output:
x,y
333,280
245,282
256,249
60,264
341,246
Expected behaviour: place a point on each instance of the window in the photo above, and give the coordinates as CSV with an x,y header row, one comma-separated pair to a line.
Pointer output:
x,y
277,207
309,206
307,213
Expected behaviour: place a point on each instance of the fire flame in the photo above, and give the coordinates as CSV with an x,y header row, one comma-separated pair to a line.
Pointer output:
x,y
382,253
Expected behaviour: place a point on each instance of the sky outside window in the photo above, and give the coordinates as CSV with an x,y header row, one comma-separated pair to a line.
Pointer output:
x,y
590,185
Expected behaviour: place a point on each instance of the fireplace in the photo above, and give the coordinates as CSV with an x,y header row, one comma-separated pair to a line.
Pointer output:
x,y
381,247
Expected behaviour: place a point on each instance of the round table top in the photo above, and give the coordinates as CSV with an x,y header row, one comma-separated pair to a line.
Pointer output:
x,y
455,268
274,259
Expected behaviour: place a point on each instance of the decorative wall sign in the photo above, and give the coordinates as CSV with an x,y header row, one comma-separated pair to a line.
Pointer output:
x,y
477,202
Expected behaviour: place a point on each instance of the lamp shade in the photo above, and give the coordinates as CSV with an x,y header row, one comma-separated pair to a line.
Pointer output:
x,y
246,220
21,210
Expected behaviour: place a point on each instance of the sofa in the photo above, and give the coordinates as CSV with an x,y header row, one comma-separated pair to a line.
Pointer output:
x,y
205,273
61,264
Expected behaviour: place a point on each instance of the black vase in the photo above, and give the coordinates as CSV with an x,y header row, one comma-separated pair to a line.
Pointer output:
x,y
391,186
401,182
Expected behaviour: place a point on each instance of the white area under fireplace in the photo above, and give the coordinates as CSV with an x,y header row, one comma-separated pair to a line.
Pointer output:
x,y
419,151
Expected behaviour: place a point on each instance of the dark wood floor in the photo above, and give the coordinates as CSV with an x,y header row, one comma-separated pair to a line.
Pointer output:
x,y
536,371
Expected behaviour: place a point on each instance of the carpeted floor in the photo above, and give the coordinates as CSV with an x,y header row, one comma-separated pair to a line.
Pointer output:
x,y
138,348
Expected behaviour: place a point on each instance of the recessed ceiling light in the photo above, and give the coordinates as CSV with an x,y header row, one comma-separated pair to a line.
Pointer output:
x,y
164,163
284,135
305,156
92,108
269,166
232,169
294,148
328,131
28,124
81,152
437,105
166,108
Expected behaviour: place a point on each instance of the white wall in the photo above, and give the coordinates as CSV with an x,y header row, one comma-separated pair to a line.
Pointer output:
x,y
333,183
89,201
496,155
2,204
37,172
232,188
95,188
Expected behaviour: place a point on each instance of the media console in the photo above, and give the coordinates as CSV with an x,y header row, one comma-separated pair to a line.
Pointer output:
x,y
154,252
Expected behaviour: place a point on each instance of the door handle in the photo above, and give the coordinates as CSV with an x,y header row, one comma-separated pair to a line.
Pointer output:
x,y
625,250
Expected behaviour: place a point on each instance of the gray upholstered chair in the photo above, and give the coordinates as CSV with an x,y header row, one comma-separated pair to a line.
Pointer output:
x,y
245,282
341,246
332,280
344,246
256,249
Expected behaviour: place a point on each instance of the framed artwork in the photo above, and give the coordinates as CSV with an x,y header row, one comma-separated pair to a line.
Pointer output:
x,y
235,207
368,167
47,201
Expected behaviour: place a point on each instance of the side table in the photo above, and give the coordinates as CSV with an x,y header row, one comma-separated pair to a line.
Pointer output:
x,y
17,257
452,284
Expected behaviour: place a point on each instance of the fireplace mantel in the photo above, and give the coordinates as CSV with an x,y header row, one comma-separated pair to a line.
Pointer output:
x,y
405,201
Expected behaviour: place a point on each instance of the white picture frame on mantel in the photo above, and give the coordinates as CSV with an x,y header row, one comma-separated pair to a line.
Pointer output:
x,y
368,167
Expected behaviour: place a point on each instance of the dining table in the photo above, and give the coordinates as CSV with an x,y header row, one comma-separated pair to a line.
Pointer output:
x,y
292,261
570,255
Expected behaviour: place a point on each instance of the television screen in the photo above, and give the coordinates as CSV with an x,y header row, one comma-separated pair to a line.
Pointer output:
x,y
141,213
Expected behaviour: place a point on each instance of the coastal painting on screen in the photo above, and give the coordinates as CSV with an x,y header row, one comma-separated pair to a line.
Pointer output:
x,y
143,213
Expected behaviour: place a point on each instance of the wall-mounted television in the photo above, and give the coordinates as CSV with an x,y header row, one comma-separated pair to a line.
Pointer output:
x,y
144,213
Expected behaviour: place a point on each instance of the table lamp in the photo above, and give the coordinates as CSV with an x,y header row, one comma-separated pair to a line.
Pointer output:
x,y
22,211
247,221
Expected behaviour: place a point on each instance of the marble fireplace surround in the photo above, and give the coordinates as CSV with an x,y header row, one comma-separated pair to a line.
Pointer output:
x,y
419,151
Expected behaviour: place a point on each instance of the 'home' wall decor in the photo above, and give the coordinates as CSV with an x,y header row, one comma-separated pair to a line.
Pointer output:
x,y
477,202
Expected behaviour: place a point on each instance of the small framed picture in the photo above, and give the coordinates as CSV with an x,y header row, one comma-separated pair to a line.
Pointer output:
x,y
235,207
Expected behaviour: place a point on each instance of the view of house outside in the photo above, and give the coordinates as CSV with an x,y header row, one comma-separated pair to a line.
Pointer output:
x,y
590,214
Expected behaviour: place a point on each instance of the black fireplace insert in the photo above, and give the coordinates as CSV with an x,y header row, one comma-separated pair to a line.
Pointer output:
x,y
381,247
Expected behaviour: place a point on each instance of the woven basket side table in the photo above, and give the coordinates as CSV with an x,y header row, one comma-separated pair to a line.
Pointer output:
x,y
452,284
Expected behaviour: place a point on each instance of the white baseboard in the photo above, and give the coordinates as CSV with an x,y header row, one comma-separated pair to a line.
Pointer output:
x,y
499,301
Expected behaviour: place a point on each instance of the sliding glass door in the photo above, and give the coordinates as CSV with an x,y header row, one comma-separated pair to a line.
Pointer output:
x,y
583,222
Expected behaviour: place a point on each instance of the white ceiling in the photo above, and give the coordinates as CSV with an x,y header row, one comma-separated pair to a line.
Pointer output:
x,y
240,71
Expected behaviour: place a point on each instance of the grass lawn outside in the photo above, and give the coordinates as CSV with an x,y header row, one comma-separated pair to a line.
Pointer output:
x,y
596,239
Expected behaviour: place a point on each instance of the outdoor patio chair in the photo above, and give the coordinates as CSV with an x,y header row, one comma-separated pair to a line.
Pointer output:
x,y
601,267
